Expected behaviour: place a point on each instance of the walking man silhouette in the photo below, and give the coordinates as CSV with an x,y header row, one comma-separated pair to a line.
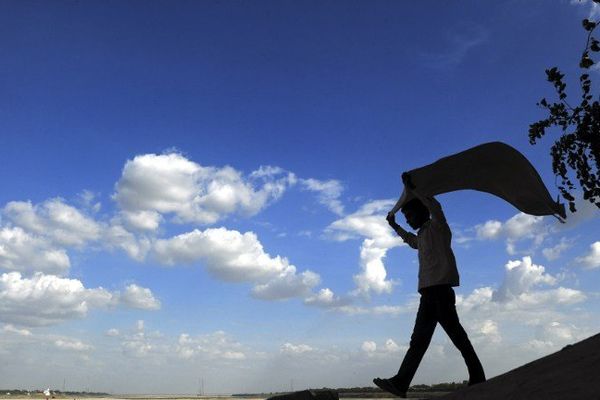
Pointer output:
x,y
437,276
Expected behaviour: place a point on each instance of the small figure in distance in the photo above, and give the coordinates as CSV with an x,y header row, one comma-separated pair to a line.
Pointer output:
x,y
437,276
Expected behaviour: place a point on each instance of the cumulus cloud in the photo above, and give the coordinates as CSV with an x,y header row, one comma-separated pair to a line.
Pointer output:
x,y
152,185
48,299
325,298
137,345
374,310
112,332
12,329
485,331
554,252
328,193
390,345
287,285
520,276
136,296
210,347
518,227
63,224
523,289
24,252
369,222
293,349
387,349
136,247
72,344
592,258
237,257
594,8
369,346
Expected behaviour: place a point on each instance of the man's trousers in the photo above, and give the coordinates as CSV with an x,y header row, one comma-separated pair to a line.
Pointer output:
x,y
438,304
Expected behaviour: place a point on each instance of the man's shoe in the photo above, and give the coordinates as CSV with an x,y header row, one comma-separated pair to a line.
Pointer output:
x,y
388,386
475,381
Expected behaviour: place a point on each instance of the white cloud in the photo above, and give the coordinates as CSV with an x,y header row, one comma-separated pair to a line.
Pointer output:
x,y
293,349
552,253
143,220
12,329
136,296
489,230
485,331
72,344
237,257
390,345
61,223
328,193
521,276
388,349
112,332
325,298
141,344
48,299
116,236
523,226
137,345
591,259
369,346
287,285
87,200
151,185
594,8
369,222
375,310
518,227
522,295
21,251
210,347
373,275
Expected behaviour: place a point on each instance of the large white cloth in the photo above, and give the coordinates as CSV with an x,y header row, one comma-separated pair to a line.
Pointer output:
x,y
495,168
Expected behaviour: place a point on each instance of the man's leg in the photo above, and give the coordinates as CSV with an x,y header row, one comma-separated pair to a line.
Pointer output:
x,y
419,341
448,318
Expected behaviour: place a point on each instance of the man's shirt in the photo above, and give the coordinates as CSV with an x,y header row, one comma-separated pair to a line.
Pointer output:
x,y
437,265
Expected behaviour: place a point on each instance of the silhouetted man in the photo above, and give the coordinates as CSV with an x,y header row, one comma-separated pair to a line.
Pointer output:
x,y
437,276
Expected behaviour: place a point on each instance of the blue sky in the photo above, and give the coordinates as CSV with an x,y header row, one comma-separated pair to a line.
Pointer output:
x,y
197,190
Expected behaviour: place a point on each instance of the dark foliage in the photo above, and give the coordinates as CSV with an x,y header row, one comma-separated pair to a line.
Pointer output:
x,y
578,148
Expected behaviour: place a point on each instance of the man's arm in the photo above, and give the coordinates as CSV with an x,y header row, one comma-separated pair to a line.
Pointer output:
x,y
409,238
435,208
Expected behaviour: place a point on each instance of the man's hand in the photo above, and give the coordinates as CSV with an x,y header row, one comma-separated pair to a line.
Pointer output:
x,y
391,219
407,180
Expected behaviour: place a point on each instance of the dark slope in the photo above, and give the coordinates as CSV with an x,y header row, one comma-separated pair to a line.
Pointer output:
x,y
572,373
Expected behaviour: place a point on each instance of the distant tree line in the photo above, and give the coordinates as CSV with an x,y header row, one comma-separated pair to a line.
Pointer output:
x,y
372,391
55,393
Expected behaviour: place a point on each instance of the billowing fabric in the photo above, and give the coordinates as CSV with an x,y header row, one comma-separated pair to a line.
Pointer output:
x,y
494,168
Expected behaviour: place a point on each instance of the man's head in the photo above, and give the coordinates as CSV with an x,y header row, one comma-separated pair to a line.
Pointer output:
x,y
416,213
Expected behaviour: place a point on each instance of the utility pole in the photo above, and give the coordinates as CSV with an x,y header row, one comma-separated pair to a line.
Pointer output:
x,y
200,386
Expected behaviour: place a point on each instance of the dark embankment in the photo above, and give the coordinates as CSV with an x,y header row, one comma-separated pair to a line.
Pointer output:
x,y
572,373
